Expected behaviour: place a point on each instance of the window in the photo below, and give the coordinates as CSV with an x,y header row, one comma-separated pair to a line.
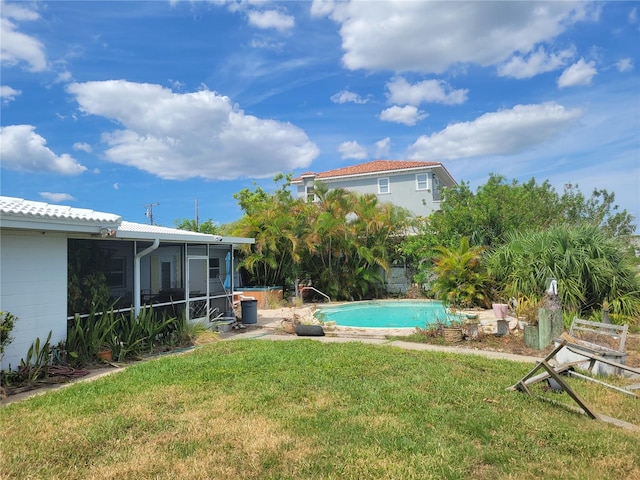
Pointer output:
x,y
310,194
383,185
422,181
214,268
116,277
436,188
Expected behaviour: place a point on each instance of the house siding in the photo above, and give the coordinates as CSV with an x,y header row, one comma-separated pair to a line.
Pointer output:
x,y
402,190
33,268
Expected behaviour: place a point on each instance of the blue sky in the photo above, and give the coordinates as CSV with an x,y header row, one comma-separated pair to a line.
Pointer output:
x,y
116,105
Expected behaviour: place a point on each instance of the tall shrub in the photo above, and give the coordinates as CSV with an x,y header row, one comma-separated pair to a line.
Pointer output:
x,y
591,268
340,242
461,280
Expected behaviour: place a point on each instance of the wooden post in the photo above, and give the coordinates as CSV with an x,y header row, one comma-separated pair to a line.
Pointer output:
x,y
544,327
531,339
557,323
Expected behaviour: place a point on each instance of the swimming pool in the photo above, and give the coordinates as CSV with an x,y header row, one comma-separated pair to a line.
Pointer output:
x,y
385,313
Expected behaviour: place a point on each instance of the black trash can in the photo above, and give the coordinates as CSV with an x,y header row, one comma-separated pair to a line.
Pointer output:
x,y
249,311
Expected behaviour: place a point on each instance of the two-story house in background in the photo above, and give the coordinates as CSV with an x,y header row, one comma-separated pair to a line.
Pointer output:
x,y
410,184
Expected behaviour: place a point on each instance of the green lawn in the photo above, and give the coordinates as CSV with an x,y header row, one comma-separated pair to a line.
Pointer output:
x,y
253,409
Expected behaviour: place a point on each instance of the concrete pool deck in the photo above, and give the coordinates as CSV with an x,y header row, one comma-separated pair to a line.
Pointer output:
x,y
269,327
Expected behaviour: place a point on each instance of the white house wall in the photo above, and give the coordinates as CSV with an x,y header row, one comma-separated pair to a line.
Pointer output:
x,y
33,279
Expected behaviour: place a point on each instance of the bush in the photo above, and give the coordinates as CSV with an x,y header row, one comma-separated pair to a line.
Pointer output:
x,y
461,278
590,267
126,334
7,322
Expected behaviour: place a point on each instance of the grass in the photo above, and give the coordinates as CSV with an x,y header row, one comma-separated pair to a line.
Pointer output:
x,y
288,410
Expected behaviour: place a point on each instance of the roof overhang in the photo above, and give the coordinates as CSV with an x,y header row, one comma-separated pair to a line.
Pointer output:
x,y
20,214
376,173
23,214
21,223
140,231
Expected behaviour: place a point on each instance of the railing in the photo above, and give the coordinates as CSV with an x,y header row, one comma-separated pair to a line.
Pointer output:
x,y
302,289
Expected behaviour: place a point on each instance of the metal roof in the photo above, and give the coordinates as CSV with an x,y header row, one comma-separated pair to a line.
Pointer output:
x,y
131,228
142,231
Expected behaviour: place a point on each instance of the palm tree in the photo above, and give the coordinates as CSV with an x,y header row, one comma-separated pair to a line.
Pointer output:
x,y
590,267
340,241
461,279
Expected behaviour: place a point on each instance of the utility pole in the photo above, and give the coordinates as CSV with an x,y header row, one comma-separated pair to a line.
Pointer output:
x,y
197,223
149,211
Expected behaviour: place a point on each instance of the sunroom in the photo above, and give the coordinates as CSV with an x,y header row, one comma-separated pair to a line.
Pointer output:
x,y
174,271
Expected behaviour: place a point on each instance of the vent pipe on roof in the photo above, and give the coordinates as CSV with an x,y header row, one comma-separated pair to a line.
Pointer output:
x,y
136,274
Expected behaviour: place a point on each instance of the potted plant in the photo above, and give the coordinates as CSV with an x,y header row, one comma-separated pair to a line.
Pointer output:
x,y
526,311
453,332
471,327
105,352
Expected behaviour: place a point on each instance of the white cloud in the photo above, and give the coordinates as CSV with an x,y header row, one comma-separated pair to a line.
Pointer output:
x,y
56,197
16,47
82,146
580,73
352,150
408,115
345,96
21,148
322,8
536,63
430,91
496,133
633,15
383,147
624,65
116,186
8,94
64,77
431,37
270,19
187,135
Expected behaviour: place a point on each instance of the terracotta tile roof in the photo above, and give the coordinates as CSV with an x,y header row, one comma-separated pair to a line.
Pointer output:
x,y
376,166
20,208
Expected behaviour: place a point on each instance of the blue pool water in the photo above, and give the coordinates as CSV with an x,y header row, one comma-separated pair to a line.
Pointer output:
x,y
385,313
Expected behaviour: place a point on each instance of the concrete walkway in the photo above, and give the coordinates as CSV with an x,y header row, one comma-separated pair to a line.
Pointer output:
x,y
269,327
373,340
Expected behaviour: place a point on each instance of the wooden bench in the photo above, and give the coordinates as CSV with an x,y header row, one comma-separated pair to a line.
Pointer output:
x,y
603,340
599,335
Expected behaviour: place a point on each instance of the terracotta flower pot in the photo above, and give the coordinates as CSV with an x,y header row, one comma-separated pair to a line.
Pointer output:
x,y
106,355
